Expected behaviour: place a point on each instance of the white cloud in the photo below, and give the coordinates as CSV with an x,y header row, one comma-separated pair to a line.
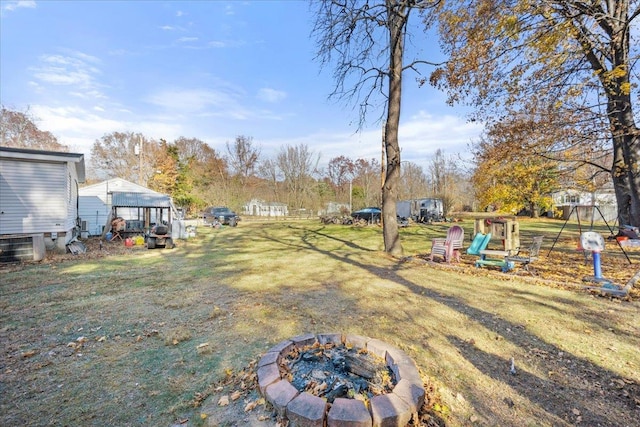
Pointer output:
x,y
419,138
13,5
217,44
74,69
271,95
194,100
187,39
80,128
223,100
179,13
167,28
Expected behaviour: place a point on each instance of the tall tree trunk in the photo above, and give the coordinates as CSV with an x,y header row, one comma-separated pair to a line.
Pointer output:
x,y
625,174
397,22
625,171
625,135
535,210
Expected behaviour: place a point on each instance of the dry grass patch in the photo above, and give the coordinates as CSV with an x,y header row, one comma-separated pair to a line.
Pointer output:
x,y
146,316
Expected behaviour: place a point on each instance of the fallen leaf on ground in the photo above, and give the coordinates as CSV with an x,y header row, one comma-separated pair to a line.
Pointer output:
x,y
223,401
250,406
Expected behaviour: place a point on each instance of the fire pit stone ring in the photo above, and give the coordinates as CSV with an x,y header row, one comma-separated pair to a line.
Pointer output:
x,y
307,410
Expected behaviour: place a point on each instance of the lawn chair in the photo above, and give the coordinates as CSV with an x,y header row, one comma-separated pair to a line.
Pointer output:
x,y
532,254
449,247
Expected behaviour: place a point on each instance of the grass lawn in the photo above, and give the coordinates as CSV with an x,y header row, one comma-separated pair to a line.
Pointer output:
x,y
129,336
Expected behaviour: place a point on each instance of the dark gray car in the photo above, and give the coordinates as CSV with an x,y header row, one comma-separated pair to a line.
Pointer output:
x,y
220,215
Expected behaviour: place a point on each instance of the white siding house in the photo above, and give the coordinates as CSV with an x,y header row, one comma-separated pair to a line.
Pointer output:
x,y
95,203
257,207
586,205
39,194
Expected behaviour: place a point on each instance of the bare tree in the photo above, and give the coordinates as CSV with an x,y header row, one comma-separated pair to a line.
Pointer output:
x,y
340,173
243,158
18,130
367,182
269,171
366,41
118,154
413,182
449,182
298,165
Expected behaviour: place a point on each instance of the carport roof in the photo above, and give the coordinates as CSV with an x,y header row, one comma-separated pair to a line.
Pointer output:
x,y
139,200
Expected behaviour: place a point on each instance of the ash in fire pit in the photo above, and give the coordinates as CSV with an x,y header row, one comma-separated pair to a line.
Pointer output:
x,y
331,371
340,380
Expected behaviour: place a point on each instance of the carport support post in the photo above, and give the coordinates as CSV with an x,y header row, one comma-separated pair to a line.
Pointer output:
x,y
147,219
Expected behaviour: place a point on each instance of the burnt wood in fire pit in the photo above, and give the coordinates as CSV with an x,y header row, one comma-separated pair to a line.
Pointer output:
x,y
336,379
360,366
331,371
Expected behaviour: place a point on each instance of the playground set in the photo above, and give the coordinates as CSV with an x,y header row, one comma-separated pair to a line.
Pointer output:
x,y
592,244
507,229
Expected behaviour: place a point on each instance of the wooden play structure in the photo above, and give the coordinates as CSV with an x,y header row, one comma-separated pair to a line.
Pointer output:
x,y
504,228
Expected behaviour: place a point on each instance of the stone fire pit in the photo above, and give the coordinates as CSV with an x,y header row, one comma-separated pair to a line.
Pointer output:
x,y
304,409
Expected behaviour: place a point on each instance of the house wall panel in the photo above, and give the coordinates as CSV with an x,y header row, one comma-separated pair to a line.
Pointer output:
x,y
34,197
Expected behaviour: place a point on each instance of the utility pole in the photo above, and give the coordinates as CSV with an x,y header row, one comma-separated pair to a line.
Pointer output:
x,y
140,160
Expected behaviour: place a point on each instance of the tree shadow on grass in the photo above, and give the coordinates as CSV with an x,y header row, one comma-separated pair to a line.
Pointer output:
x,y
595,393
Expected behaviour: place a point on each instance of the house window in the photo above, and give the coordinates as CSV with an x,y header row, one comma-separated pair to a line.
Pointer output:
x,y
572,198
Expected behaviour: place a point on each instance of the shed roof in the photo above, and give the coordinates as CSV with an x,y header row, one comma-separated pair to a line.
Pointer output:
x,y
112,185
140,200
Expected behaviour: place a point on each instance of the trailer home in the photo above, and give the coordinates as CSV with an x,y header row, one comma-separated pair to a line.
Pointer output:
x,y
38,201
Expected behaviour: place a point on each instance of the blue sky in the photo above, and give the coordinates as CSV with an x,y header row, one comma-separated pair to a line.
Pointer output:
x,y
212,70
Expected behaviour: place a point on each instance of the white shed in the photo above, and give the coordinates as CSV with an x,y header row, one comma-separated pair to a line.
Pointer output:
x,y
597,206
95,203
257,207
39,196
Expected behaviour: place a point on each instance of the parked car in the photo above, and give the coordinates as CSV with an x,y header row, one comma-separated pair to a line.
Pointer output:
x,y
219,215
371,215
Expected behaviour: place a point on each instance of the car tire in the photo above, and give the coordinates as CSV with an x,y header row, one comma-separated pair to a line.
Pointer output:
x,y
168,243
151,243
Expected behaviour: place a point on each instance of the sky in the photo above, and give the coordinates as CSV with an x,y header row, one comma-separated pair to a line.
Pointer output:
x,y
211,70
